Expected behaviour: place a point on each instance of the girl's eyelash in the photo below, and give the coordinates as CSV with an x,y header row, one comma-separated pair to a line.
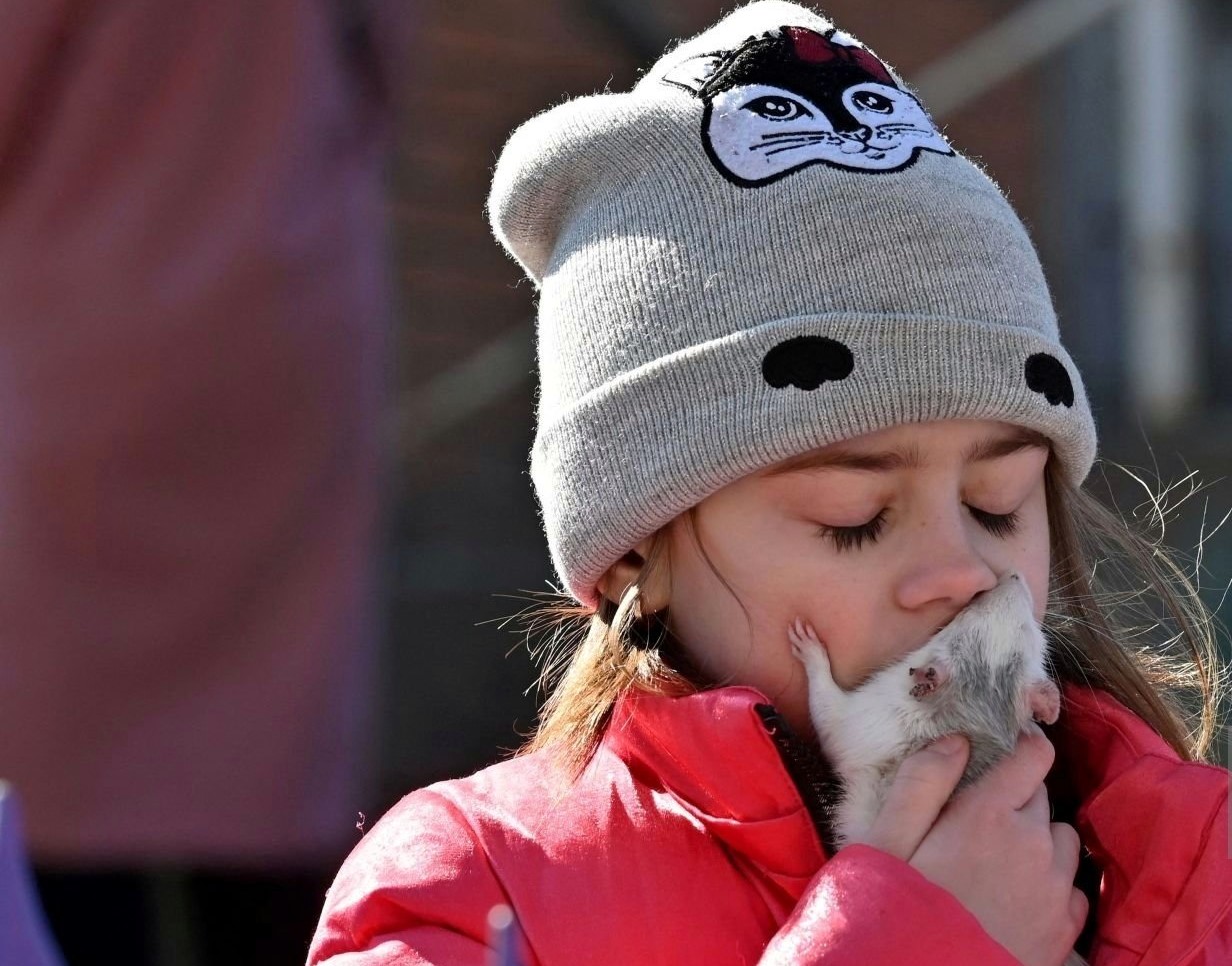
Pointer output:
x,y
852,538
998,524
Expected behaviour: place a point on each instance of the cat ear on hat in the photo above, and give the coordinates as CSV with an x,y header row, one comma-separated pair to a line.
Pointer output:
x,y
559,159
692,74
549,166
753,19
813,44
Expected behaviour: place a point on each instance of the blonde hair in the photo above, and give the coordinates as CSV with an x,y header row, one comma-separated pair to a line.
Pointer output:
x,y
1111,586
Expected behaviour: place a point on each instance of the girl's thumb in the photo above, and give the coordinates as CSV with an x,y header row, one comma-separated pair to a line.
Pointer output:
x,y
924,783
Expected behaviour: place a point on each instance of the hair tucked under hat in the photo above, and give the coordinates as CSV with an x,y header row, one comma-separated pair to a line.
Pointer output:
x,y
765,247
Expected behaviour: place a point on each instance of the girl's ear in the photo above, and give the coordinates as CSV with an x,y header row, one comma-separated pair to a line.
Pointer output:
x,y
628,570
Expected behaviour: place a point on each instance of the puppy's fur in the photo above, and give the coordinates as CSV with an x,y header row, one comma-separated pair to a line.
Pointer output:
x,y
982,675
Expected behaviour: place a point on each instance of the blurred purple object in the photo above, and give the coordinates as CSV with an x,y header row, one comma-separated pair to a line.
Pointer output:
x,y
194,304
24,937
503,937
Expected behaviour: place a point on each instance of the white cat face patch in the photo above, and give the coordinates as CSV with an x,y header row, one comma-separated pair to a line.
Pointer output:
x,y
787,100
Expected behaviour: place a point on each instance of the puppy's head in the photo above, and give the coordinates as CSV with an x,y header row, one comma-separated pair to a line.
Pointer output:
x,y
997,657
997,628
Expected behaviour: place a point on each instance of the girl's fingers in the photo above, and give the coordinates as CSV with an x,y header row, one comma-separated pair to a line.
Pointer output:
x,y
1066,847
1017,779
1079,908
1066,851
920,789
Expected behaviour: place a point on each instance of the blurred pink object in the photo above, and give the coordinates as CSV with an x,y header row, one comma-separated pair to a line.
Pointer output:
x,y
24,937
193,312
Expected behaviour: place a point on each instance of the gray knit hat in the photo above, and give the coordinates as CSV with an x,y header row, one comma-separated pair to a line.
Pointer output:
x,y
766,246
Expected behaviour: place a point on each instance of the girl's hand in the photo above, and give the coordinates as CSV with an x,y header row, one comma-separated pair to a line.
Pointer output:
x,y
994,847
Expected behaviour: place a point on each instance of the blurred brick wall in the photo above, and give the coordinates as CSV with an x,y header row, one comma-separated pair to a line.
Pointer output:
x,y
464,526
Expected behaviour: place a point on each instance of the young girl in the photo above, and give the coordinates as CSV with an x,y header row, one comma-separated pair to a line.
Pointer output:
x,y
798,361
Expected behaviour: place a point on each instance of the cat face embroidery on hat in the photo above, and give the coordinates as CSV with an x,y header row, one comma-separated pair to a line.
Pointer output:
x,y
794,97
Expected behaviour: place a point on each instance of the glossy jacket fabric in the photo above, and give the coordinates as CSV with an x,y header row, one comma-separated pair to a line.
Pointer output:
x,y
685,841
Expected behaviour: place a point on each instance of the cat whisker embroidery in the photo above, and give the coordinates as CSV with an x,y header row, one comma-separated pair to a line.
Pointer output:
x,y
779,149
904,132
795,136
800,146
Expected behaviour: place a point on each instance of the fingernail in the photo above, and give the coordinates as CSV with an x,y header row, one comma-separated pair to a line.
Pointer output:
x,y
949,745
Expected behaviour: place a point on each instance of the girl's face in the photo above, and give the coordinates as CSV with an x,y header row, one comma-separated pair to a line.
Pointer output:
x,y
878,542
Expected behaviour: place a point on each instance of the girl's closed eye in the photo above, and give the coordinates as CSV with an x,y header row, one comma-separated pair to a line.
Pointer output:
x,y
852,538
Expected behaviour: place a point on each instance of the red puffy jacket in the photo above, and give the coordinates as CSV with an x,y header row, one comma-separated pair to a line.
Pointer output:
x,y
686,841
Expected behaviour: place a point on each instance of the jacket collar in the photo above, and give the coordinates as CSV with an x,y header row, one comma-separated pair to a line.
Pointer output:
x,y
715,752
712,752
1098,739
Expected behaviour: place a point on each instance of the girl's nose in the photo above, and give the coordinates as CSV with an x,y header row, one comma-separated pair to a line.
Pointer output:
x,y
948,568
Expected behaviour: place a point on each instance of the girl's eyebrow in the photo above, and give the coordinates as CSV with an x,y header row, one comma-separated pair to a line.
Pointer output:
x,y
990,448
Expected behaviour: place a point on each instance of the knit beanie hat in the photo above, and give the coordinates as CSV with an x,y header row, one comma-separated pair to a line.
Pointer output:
x,y
765,247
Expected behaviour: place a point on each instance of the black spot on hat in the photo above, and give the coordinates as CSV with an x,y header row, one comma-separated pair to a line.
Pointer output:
x,y
1047,376
806,362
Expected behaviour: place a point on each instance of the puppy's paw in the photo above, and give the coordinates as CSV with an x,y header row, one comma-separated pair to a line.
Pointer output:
x,y
806,646
805,642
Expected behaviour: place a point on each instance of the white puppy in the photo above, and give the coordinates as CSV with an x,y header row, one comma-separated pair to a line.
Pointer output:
x,y
982,675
